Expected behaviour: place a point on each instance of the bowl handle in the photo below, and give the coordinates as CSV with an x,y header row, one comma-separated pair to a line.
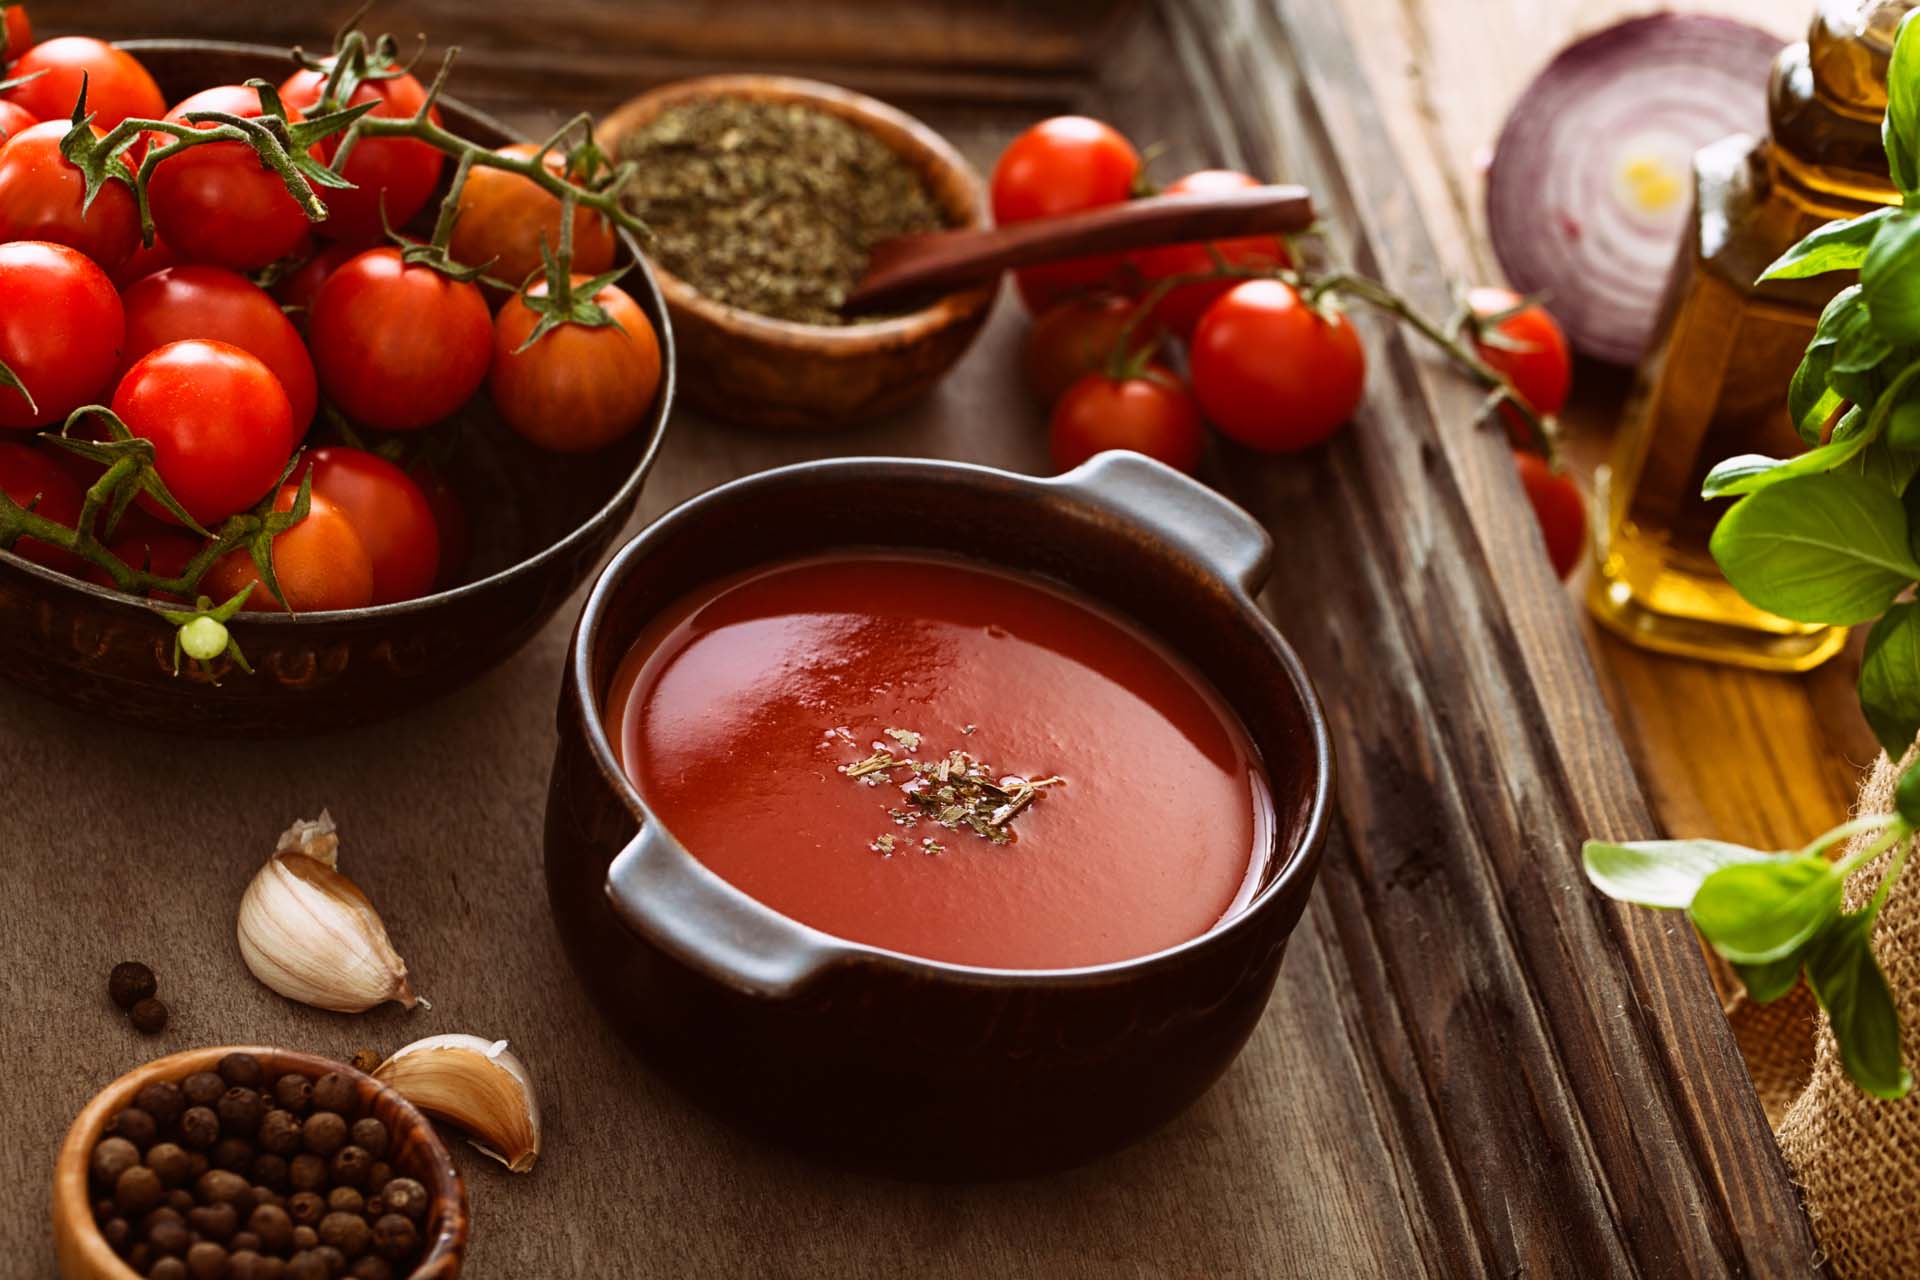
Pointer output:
x,y
665,895
1177,509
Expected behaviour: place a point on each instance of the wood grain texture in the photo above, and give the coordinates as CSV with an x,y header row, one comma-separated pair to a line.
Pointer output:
x,y
1471,1065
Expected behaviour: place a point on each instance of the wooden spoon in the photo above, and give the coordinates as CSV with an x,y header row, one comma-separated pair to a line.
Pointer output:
x,y
903,268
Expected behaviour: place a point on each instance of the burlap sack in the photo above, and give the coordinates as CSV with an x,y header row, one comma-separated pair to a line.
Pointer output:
x,y
1856,1157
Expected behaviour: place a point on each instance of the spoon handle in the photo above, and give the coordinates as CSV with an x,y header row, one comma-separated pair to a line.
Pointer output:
x,y
904,267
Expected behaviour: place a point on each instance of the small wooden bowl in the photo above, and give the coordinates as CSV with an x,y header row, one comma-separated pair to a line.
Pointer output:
x,y
752,369
414,1150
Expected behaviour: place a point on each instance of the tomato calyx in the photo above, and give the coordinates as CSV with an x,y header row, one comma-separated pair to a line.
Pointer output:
x,y
565,302
130,463
201,633
8,378
269,524
353,61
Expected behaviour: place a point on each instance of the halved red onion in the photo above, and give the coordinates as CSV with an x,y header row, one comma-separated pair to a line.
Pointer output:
x,y
1591,181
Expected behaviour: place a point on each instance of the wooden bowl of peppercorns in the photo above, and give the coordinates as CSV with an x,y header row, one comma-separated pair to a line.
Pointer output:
x,y
246,1163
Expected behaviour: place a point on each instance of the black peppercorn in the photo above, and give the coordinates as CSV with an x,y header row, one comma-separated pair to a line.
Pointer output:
x,y
280,1133
307,1172
307,1265
207,1261
235,1155
169,1161
222,1186
240,1109
370,1133
169,1234
395,1238
111,1158
349,1166
306,1207
294,1092
130,983
163,1100
136,1126
203,1088
199,1128
305,1237
336,1092
168,1268
406,1197
137,1190
346,1200
324,1132
149,1017
242,1070
347,1232
371,1267
270,1171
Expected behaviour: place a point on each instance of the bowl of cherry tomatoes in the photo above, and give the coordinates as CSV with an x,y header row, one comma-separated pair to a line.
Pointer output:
x,y
390,476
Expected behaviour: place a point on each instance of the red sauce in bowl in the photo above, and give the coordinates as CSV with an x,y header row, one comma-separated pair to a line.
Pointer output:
x,y
790,726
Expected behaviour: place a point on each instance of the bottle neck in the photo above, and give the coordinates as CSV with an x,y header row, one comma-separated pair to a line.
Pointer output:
x,y
1824,103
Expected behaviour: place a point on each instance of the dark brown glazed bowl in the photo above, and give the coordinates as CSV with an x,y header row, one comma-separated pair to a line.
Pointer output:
x,y
84,1254
774,374
887,1061
541,522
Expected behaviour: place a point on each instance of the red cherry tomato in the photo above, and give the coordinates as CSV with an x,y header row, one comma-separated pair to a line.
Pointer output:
x,y
221,429
1530,351
117,85
34,481
297,288
320,563
579,388
1274,373
145,261
1558,506
1150,414
1063,165
402,171
398,347
16,32
176,303
1181,309
450,515
503,217
61,329
1068,341
216,202
14,118
165,553
43,197
389,512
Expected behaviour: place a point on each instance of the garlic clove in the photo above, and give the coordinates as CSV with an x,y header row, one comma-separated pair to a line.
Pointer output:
x,y
308,932
477,1084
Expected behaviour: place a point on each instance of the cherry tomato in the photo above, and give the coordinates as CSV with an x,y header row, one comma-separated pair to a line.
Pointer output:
x,y
388,511
16,32
145,261
219,422
450,516
176,303
1274,373
503,216
1063,165
117,85
165,553
402,171
320,563
14,118
1559,508
398,347
1150,414
1530,350
1071,339
61,329
217,202
43,197
33,481
1181,309
579,387
297,288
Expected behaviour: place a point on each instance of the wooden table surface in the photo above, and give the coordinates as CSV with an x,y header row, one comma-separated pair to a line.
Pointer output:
x,y
1470,1066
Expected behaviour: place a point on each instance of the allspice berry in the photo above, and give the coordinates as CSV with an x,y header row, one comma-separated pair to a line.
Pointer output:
x,y
203,1088
273,1226
240,1110
136,1126
346,1200
379,1176
371,1267
179,1199
270,1171
149,1017
169,1161
307,1265
116,1232
294,1093
349,1166
163,1100
221,1186
305,1238
280,1133
169,1234
235,1155
168,1268
130,983
306,1208
111,1158
347,1232
406,1197
336,1261
370,1133
336,1092
137,1190
199,1128
207,1261
395,1238
214,1221
307,1172
242,1070
324,1132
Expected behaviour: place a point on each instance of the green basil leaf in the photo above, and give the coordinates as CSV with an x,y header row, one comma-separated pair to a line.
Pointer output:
x,y
1852,989
1758,912
1884,466
1809,399
1840,245
1660,873
1900,130
1890,283
1766,983
1828,548
1860,344
1751,472
1890,680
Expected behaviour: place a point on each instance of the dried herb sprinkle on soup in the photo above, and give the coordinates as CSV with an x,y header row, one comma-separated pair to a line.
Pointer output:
x,y
768,206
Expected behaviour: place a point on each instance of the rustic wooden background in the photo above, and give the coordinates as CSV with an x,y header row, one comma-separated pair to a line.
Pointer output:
x,y
1470,1067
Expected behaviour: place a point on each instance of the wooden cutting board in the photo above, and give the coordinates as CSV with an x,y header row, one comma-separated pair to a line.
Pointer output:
x,y
1472,1064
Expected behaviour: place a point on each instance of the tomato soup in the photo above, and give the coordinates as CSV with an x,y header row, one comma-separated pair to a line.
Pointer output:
x,y
944,760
